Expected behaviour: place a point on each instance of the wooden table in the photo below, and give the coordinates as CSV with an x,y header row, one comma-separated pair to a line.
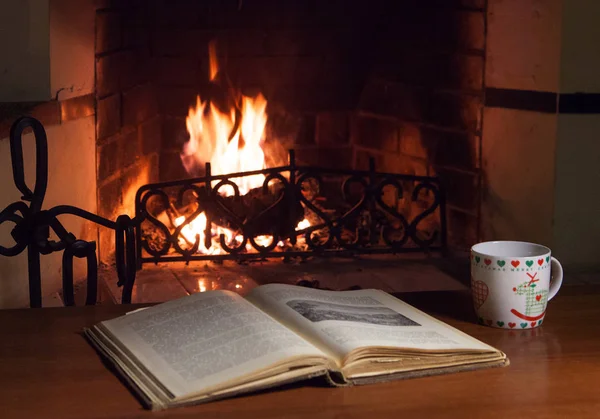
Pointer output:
x,y
48,370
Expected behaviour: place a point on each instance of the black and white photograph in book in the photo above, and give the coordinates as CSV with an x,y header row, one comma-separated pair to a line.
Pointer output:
x,y
318,311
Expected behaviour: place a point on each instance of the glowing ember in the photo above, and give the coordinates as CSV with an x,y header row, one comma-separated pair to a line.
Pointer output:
x,y
303,224
201,285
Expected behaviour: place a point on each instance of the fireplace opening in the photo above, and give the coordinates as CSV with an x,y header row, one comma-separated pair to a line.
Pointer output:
x,y
346,85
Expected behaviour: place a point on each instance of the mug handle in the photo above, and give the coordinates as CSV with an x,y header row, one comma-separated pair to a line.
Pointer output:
x,y
556,278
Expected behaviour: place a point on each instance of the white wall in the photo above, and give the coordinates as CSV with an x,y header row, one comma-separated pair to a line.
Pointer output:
x,y
577,195
72,38
519,146
72,164
46,47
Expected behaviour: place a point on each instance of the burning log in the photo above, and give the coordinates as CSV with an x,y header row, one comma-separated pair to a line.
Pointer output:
x,y
256,213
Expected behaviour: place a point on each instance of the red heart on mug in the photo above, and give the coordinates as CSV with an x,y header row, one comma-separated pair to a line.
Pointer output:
x,y
511,325
538,297
489,322
487,261
540,262
533,324
515,263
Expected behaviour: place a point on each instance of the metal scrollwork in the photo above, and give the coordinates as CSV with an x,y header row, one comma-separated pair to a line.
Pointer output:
x,y
365,223
32,226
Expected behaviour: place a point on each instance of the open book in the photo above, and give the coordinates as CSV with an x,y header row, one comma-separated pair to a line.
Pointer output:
x,y
217,344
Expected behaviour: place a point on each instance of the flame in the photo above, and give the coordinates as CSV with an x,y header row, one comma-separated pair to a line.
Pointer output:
x,y
213,65
232,142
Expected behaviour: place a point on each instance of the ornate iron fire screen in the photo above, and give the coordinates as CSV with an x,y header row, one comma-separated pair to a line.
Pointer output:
x,y
298,211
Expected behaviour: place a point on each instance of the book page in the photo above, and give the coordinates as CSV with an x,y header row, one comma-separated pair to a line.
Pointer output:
x,y
206,339
343,321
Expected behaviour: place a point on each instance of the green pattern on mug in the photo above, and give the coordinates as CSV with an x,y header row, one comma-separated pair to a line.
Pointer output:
x,y
529,263
501,263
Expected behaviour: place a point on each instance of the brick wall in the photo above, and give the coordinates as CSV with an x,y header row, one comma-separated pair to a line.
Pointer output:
x,y
128,124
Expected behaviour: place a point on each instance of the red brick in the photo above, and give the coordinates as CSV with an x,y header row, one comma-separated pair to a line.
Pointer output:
x,y
108,159
328,157
290,128
462,189
182,42
171,168
454,150
405,165
134,67
333,128
442,70
109,198
451,110
150,135
375,133
306,41
412,142
176,101
132,179
77,107
108,31
108,116
462,229
174,133
180,71
153,171
362,160
136,28
107,74
139,104
436,29
129,146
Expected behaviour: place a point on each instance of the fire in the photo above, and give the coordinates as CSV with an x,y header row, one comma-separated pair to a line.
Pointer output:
x,y
197,227
303,224
231,141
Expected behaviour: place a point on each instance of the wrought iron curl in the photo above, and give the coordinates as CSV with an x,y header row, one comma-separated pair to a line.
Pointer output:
x,y
388,230
143,213
353,212
424,214
304,177
32,224
230,215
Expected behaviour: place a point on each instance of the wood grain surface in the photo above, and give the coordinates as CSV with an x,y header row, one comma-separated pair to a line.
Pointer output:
x,y
48,370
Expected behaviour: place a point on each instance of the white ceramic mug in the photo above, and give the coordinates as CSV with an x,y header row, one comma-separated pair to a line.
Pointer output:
x,y
512,282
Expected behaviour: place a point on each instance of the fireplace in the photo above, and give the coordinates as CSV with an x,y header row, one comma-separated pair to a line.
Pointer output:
x,y
355,89
344,84
345,87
